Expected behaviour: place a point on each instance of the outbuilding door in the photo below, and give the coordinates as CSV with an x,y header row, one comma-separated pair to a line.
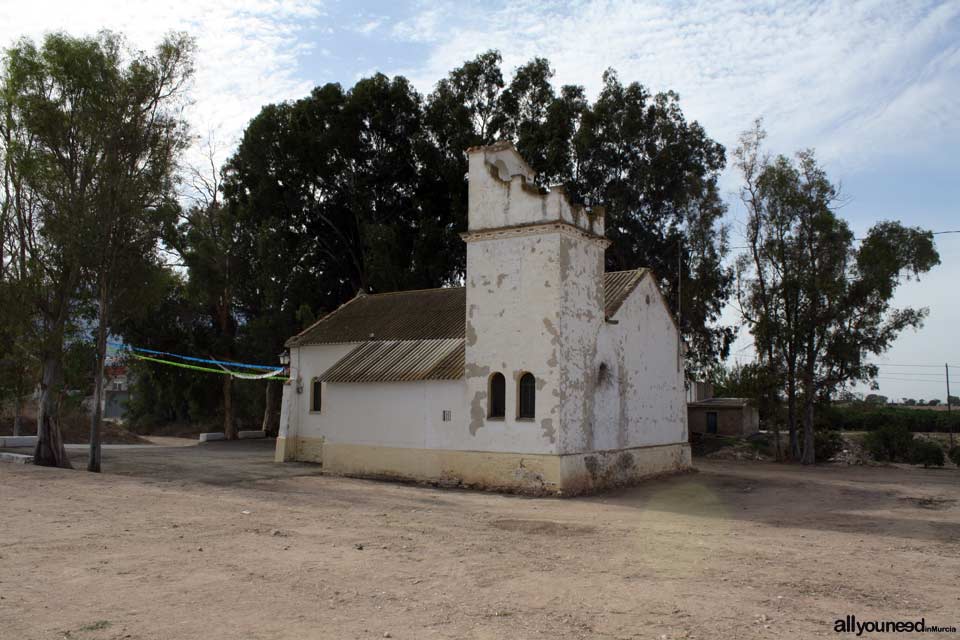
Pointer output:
x,y
711,421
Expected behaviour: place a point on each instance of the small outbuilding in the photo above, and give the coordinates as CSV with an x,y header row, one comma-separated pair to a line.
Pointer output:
x,y
723,416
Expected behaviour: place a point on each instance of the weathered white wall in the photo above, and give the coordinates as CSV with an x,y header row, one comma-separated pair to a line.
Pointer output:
x,y
307,363
580,319
390,414
641,401
513,293
503,194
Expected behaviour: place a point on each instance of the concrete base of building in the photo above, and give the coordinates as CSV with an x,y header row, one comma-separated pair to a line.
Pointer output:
x,y
570,474
599,470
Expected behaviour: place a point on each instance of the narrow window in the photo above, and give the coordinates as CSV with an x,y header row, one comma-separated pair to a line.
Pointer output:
x,y
528,396
498,390
316,400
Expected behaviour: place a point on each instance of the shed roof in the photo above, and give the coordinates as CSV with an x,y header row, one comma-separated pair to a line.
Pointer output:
x,y
719,403
399,361
425,314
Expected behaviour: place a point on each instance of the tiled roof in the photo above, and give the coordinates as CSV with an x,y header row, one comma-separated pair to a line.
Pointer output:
x,y
427,314
400,360
617,285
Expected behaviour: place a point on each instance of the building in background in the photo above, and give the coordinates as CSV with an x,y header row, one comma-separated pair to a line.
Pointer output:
x,y
723,416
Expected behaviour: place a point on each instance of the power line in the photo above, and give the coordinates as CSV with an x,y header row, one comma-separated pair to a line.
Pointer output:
x,y
933,233
890,364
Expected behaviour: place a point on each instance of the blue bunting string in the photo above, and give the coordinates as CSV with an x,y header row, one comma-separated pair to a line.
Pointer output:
x,y
262,367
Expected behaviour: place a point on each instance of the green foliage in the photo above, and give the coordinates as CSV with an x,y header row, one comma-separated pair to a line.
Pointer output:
x,y
740,381
954,454
818,303
926,452
865,417
889,443
90,138
827,443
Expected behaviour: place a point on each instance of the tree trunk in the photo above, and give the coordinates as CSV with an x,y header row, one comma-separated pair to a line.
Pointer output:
x,y
93,464
18,415
808,452
271,411
226,331
778,450
49,451
792,419
229,425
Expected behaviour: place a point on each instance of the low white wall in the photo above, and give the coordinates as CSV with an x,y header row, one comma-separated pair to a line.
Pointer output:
x,y
410,414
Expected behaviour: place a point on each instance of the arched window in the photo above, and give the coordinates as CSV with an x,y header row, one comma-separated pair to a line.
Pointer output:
x,y
498,392
527,397
316,399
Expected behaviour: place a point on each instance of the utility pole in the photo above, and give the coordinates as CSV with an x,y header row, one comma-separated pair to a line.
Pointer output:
x,y
949,421
680,305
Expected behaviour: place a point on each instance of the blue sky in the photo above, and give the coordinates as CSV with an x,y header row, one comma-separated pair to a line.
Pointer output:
x,y
873,86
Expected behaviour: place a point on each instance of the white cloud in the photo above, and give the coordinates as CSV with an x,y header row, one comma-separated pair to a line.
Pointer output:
x,y
846,77
369,27
247,49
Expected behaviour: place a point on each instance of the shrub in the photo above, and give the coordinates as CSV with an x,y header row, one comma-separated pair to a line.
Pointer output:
x,y
954,454
866,417
826,444
926,452
890,443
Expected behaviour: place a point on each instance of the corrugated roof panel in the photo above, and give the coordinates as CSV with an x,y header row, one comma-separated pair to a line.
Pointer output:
x,y
400,360
427,314
617,285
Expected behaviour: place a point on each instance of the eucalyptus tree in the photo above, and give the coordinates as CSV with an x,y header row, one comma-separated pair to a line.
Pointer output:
x,y
94,153
656,175
144,135
818,301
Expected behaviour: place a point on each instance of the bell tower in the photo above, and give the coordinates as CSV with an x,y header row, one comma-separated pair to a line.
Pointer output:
x,y
534,305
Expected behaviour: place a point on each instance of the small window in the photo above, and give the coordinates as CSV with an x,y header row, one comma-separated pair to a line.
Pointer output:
x,y
316,398
498,391
528,397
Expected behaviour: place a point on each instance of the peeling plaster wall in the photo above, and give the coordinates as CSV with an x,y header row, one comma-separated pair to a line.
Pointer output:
x,y
641,399
503,194
512,300
580,319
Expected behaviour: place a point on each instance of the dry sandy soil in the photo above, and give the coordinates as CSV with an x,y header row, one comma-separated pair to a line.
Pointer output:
x,y
216,542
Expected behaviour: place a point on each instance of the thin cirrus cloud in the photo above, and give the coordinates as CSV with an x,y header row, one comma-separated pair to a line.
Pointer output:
x,y
850,78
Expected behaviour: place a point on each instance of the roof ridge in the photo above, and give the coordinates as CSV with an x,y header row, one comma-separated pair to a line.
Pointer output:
x,y
287,342
626,270
393,293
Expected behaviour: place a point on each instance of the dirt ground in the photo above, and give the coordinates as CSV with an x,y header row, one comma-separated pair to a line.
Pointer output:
x,y
215,541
